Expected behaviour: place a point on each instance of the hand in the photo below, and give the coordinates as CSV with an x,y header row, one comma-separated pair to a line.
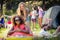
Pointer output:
x,y
13,31
24,18
29,15
17,29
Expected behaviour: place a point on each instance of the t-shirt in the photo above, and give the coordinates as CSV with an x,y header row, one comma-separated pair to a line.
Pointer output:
x,y
33,14
9,22
40,13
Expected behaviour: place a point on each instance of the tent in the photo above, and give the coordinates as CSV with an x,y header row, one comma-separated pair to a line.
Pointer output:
x,y
54,14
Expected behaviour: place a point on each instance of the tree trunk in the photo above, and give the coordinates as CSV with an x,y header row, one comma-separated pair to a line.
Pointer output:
x,y
1,4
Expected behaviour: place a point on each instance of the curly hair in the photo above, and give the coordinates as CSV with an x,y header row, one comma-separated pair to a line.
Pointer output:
x,y
20,19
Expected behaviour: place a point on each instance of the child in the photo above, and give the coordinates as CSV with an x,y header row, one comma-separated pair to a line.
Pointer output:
x,y
33,17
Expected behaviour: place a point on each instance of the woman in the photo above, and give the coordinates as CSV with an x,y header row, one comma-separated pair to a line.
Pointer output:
x,y
40,13
18,27
21,11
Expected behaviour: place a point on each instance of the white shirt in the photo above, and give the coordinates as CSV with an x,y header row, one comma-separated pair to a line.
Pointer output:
x,y
33,14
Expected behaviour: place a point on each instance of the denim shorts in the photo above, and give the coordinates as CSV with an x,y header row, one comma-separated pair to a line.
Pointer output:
x,y
28,18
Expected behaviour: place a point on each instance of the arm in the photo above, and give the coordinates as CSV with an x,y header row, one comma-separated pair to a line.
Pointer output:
x,y
7,16
18,12
2,16
36,14
25,15
11,31
20,30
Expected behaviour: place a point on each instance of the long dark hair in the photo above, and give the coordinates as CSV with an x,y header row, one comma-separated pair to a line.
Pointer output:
x,y
20,19
36,8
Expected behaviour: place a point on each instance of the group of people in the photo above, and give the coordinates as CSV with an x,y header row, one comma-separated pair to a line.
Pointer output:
x,y
30,16
23,18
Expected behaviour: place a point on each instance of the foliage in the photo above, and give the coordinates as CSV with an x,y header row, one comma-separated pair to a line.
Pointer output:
x,y
11,6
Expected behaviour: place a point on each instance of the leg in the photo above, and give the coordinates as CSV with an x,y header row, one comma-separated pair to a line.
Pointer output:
x,y
34,24
40,21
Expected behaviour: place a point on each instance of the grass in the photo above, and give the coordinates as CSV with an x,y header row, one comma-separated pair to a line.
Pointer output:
x,y
15,38
3,32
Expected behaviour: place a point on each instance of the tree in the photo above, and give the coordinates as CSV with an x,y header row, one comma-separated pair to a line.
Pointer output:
x,y
1,5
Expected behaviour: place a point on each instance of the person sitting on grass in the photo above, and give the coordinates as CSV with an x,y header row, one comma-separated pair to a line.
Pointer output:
x,y
18,27
44,30
8,23
57,32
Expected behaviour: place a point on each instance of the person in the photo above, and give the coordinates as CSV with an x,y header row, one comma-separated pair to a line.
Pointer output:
x,y
23,11
40,13
57,32
1,21
9,23
18,27
33,17
44,31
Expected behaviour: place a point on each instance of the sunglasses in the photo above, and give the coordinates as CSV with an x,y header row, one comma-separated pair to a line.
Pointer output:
x,y
17,20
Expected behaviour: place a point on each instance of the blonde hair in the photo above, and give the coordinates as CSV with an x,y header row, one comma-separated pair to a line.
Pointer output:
x,y
18,9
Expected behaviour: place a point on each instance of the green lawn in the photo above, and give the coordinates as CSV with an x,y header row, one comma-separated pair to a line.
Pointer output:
x,y
3,33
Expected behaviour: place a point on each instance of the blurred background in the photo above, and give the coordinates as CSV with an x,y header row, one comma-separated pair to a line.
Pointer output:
x,y
9,7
